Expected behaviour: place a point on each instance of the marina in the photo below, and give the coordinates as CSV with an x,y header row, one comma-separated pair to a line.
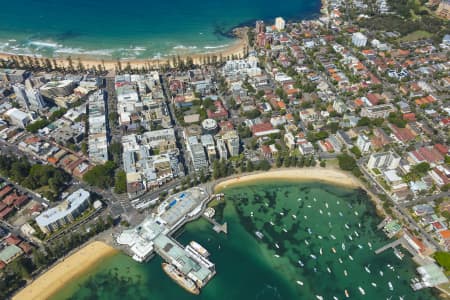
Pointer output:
x,y
187,266
249,266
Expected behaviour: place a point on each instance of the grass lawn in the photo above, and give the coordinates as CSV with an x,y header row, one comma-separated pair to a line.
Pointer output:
x,y
416,35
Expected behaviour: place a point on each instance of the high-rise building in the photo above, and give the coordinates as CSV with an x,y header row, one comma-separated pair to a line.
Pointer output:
x,y
223,154
259,26
280,23
363,143
197,153
232,140
21,95
35,99
359,39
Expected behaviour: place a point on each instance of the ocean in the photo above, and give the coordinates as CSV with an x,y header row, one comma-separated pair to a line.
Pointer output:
x,y
327,217
133,29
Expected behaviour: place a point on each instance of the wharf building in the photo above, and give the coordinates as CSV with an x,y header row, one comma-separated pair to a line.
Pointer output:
x,y
153,236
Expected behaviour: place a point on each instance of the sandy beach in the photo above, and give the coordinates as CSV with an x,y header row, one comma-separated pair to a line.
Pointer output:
x,y
65,271
236,49
329,175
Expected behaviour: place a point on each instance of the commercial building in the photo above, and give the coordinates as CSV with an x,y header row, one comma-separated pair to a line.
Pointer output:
x,y
98,129
359,39
385,160
53,89
222,149
18,117
280,24
29,98
53,218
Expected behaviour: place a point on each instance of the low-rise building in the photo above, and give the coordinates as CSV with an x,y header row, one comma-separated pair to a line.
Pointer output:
x,y
73,206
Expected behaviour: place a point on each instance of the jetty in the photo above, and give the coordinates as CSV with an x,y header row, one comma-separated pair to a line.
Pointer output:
x,y
388,246
217,227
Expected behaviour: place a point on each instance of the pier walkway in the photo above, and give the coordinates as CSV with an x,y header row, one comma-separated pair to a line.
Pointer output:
x,y
390,245
383,223
217,227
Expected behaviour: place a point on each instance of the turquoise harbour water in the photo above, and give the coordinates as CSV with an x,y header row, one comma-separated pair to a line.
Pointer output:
x,y
133,29
246,266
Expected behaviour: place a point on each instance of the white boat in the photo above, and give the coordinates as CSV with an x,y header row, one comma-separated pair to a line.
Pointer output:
x,y
309,230
345,273
281,214
259,235
315,199
335,298
326,204
329,270
343,246
251,214
356,233
266,204
308,206
271,223
361,290
320,211
276,255
320,251
381,273
301,263
360,246
391,287
367,269
319,297
199,248
338,202
299,199
346,226
315,270
329,214
313,256
356,213
346,293
340,260
276,245
332,236
351,257
319,237
374,284
369,244
306,217
294,216
340,213
359,225
306,242
350,237
333,249
299,282
284,229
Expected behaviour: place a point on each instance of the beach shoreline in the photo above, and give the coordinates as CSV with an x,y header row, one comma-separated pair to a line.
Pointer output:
x,y
77,264
237,49
328,175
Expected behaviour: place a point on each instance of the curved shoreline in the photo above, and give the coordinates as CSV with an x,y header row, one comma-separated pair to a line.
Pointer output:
x,y
237,48
77,264
325,175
